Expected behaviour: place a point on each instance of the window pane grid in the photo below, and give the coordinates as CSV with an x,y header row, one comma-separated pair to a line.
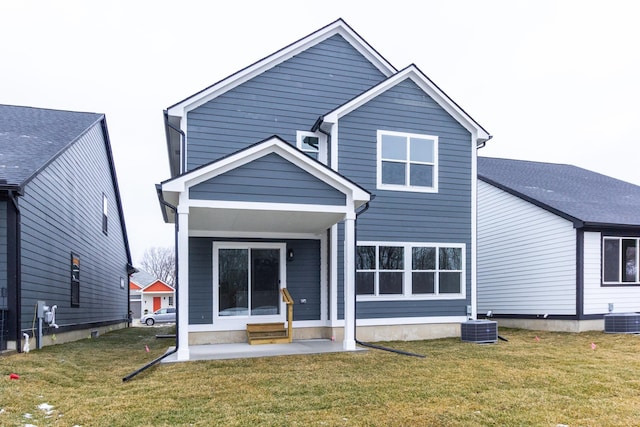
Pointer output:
x,y
385,270
407,160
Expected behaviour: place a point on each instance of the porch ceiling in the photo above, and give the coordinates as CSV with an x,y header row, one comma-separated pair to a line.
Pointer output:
x,y
264,221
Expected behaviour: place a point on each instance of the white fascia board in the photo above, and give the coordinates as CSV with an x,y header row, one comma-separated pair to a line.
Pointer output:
x,y
272,145
257,68
262,206
413,73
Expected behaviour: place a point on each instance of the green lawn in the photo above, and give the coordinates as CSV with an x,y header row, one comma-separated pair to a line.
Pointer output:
x,y
556,379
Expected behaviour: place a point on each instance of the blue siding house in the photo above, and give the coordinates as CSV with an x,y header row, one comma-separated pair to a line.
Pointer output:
x,y
323,170
62,233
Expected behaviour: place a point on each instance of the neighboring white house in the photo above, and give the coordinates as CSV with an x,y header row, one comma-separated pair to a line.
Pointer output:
x,y
147,294
557,245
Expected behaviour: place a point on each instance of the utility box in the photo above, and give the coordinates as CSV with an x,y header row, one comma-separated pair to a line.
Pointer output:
x,y
479,331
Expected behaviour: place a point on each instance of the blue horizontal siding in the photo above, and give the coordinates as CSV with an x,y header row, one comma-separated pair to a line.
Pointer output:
x,y
3,255
61,213
399,216
270,179
286,98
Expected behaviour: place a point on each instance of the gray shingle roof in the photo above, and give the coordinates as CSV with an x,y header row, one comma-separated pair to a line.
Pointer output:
x,y
573,192
143,278
31,137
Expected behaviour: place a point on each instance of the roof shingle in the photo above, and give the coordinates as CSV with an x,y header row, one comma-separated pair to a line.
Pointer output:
x,y
31,137
586,196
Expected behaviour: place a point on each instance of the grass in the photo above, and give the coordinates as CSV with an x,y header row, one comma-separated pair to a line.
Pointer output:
x,y
558,379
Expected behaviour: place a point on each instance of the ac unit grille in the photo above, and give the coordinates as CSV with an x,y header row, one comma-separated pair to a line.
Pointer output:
x,y
480,331
622,323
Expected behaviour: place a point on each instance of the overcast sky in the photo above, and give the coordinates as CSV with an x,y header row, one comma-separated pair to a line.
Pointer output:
x,y
552,81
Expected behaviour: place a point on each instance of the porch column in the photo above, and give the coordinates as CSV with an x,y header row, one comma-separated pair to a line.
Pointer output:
x,y
183,282
349,342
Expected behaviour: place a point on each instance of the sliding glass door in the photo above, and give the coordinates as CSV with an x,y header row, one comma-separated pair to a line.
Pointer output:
x,y
249,278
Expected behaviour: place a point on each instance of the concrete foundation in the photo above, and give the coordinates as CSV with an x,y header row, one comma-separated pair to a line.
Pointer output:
x,y
552,324
363,333
65,337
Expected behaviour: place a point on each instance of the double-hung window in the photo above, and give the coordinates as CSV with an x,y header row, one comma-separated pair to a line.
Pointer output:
x,y
620,260
407,162
410,270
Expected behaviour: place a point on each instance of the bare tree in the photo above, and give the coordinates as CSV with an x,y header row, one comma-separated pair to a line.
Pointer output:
x,y
161,262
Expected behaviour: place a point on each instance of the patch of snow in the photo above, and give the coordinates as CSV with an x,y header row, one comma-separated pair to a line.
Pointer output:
x,y
45,407
27,415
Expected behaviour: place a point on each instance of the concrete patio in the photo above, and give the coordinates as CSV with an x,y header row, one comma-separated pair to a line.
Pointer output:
x,y
244,350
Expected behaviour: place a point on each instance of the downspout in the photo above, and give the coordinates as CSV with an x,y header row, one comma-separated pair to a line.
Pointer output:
x,y
155,361
355,304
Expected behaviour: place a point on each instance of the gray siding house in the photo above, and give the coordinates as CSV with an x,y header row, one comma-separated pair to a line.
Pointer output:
x,y
62,233
558,245
324,170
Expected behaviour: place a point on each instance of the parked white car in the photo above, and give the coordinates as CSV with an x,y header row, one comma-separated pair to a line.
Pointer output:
x,y
161,315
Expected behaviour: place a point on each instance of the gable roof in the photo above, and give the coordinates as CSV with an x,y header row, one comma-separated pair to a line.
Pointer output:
x,y
274,144
173,115
339,26
413,73
142,278
587,198
158,286
30,138
317,216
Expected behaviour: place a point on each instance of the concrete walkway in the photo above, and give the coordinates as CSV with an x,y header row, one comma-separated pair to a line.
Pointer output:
x,y
244,350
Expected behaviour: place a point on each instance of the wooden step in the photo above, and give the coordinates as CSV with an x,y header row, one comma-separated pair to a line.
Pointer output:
x,y
267,333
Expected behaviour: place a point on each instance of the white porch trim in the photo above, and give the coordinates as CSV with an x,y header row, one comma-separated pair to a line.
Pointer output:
x,y
183,281
349,342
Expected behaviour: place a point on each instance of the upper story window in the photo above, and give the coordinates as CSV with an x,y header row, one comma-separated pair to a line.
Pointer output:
x,y
409,270
314,144
407,162
105,209
620,260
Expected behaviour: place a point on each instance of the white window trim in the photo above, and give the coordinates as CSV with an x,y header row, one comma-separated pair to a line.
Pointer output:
x,y
394,187
407,283
241,321
620,258
322,144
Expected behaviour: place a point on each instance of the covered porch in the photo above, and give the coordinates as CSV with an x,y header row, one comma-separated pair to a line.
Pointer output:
x,y
249,205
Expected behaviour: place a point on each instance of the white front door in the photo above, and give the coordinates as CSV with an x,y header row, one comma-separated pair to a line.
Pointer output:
x,y
247,281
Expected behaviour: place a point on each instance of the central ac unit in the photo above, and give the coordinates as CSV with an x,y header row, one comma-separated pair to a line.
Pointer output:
x,y
480,331
622,323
